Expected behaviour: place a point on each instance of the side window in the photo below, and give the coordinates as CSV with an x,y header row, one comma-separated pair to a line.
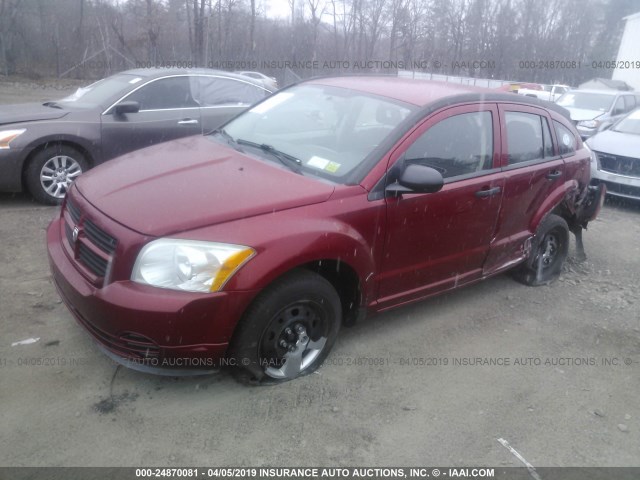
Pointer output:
x,y
166,93
525,140
566,140
629,103
457,145
217,91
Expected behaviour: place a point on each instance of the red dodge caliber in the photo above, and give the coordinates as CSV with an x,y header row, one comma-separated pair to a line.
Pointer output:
x,y
331,199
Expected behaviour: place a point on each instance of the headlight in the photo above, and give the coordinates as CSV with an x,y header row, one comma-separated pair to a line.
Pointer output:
x,y
589,123
189,265
594,157
7,135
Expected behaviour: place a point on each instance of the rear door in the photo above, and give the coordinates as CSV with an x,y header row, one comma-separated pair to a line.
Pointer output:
x,y
167,111
435,241
532,169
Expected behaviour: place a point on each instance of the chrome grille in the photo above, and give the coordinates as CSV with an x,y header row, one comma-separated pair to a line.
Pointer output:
x,y
621,165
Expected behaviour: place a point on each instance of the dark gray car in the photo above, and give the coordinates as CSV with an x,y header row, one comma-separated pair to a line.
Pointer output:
x,y
44,147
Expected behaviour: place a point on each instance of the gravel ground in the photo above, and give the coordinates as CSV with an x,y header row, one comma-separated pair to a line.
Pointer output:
x,y
408,387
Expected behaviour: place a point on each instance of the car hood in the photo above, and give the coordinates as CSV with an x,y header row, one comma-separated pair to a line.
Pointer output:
x,y
616,143
191,183
29,112
580,114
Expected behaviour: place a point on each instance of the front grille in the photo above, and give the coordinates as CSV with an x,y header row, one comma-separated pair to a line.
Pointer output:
x,y
73,211
621,165
140,345
99,237
93,248
94,262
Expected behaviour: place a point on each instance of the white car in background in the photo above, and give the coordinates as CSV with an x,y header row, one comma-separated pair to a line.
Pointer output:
x,y
593,111
268,82
616,159
549,93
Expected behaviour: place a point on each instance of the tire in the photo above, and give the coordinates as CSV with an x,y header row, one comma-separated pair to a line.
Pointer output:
x,y
287,331
549,250
51,172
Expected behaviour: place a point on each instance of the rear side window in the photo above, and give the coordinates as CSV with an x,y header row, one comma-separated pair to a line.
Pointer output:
x,y
163,94
566,140
216,91
458,145
528,137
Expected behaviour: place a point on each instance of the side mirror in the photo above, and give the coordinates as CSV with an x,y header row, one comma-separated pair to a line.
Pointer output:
x,y
417,179
126,107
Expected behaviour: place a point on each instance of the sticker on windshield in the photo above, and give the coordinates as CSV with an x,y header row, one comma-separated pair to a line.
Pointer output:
x,y
271,102
566,139
135,80
318,162
332,167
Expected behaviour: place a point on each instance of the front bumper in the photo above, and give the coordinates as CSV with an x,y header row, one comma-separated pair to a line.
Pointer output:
x,y
146,328
619,185
585,132
11,160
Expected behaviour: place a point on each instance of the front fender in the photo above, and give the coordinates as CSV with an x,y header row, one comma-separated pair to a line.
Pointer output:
x,y
323,240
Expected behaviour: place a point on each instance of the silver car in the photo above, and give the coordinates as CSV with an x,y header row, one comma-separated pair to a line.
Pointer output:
x,y
616,158
593,111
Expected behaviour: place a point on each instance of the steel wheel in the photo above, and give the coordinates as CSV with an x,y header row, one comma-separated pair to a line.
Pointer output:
x,y
293,340
288,330
550,249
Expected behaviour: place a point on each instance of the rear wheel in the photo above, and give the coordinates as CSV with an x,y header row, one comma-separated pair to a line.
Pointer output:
x,y
548,253
51,172
288,331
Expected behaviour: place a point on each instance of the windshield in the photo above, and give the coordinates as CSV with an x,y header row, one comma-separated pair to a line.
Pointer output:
x,y
329,130
102,91
587,101
629,124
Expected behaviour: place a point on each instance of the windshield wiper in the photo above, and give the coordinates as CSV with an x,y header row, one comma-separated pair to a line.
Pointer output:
x,y
287,160
52,105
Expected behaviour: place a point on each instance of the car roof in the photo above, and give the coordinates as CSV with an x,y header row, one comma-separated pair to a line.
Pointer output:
x,y
423,93
149,73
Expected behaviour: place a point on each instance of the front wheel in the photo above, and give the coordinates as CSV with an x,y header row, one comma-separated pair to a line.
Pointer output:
x,y
288,331
548,253
51,172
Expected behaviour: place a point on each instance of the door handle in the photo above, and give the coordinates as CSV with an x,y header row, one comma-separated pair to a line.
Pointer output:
x,y
553,175
188,121
488,192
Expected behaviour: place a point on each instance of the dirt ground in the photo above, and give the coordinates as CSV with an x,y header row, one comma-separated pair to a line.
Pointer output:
x,y
400,389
